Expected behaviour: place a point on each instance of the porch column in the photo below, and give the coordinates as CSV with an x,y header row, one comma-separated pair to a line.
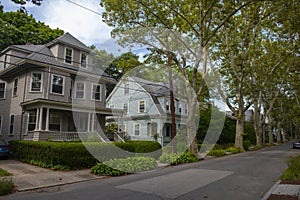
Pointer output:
x,y
47,119
93,122
37,119
89,122
41,119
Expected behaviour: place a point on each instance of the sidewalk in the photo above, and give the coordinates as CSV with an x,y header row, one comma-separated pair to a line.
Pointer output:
x,y
29,177
281,191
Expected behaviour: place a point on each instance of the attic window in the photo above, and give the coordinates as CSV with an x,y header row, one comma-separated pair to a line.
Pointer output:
x,y
68,55
83,60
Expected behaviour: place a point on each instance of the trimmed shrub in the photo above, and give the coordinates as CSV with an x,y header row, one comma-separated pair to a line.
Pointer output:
x,y
217,153
175,159
117,167
6,186
246,144
76,155
233,150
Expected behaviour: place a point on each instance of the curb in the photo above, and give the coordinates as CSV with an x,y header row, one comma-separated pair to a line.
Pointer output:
x,y
266,196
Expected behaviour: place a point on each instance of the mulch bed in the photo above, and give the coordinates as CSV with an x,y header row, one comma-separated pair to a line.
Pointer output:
x,y
291,182
282,197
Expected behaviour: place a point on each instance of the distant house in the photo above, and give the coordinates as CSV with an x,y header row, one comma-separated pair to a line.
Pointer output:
x,y
146,106
51,91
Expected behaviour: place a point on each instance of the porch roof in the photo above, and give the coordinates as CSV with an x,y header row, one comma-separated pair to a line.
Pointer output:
x,y
66,106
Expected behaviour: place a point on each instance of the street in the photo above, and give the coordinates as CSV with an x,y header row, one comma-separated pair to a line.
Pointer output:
x,y
245,176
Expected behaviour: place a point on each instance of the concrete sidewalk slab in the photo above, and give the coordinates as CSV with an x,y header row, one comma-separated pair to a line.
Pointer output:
x,y
28,177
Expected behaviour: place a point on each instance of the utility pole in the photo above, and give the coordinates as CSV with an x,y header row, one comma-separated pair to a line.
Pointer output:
x,y
172,104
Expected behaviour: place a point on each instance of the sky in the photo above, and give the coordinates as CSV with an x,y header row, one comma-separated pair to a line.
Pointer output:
x,y
86,25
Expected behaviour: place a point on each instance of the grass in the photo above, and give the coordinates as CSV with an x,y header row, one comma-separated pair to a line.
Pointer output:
x,y
292,173
6,186
4,173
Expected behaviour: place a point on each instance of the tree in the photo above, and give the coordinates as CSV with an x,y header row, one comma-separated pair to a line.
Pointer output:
x,y
182,29
20,28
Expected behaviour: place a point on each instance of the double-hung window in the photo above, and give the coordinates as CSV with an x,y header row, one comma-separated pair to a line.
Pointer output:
x,y
79,90
126,89
137,129
2,90
36,82
96,92
83,60
125,108
167,105
11,124
57,84
142,106
68,55
31,120
54,121
15,89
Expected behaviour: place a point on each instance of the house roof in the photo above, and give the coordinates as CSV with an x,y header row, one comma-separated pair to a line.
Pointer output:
x,y
156,89
69,39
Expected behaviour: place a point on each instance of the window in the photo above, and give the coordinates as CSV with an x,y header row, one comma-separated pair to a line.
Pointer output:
x,y
167,105
82,123
31,121
179,107
36,82
96,92
2,90
68,55
125,107
137,128
80,90
168,130
11,124
112,106
57,84
1,125
15,90
83,60
142,106
54,122
126,89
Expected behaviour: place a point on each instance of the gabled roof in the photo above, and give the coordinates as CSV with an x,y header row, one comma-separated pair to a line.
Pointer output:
x,y
69,39
156,89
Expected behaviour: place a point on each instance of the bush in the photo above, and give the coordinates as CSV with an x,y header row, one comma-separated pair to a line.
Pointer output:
x,y
175,159
117,167
76,155
246,144
4,172
292,173
233,150
6,186
217,153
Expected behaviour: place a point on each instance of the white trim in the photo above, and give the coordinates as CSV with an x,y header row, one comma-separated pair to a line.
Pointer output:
x,y
72,56
86,60
4,94
100,95
135,129
31,75
80,82
13,87
63,84
139,104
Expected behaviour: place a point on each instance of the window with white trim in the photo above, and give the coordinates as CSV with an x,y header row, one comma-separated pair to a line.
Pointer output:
x,y
151,128
2,90
126,89
79,94
96,92
83,60
68,55
167,105
57,84
179,107
11,124
36,82
15,89
54,121
31,120
137,129
142,106
125,108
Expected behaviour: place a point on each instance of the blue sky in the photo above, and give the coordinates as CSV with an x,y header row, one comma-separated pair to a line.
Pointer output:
x,y
85,25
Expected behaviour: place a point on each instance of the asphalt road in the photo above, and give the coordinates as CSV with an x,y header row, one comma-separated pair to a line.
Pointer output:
x,y
245,176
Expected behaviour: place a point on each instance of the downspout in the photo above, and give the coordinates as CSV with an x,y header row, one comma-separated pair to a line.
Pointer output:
x,y
22,115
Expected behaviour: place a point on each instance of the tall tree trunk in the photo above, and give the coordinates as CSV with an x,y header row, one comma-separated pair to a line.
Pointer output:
x,y
279,133
270,130
257,124
239,132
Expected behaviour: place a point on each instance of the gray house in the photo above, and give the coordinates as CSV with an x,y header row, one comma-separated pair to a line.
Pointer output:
x,y
51,91
146,108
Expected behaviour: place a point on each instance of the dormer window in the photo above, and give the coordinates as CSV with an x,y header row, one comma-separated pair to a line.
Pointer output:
x,y
83,60
68,55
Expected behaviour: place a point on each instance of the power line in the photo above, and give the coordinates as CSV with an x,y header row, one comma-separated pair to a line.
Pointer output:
x,y
86,8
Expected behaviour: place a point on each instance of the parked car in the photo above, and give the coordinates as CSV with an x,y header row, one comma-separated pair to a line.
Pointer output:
x,y
4,149
296,144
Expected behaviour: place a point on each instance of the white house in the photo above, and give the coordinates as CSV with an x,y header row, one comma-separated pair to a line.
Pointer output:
x,y
147,109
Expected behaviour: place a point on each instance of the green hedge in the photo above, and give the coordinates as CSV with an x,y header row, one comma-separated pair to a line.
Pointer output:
x,y
175,159
74,155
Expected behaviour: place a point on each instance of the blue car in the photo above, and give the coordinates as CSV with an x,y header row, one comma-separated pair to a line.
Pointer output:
x,y
4,149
